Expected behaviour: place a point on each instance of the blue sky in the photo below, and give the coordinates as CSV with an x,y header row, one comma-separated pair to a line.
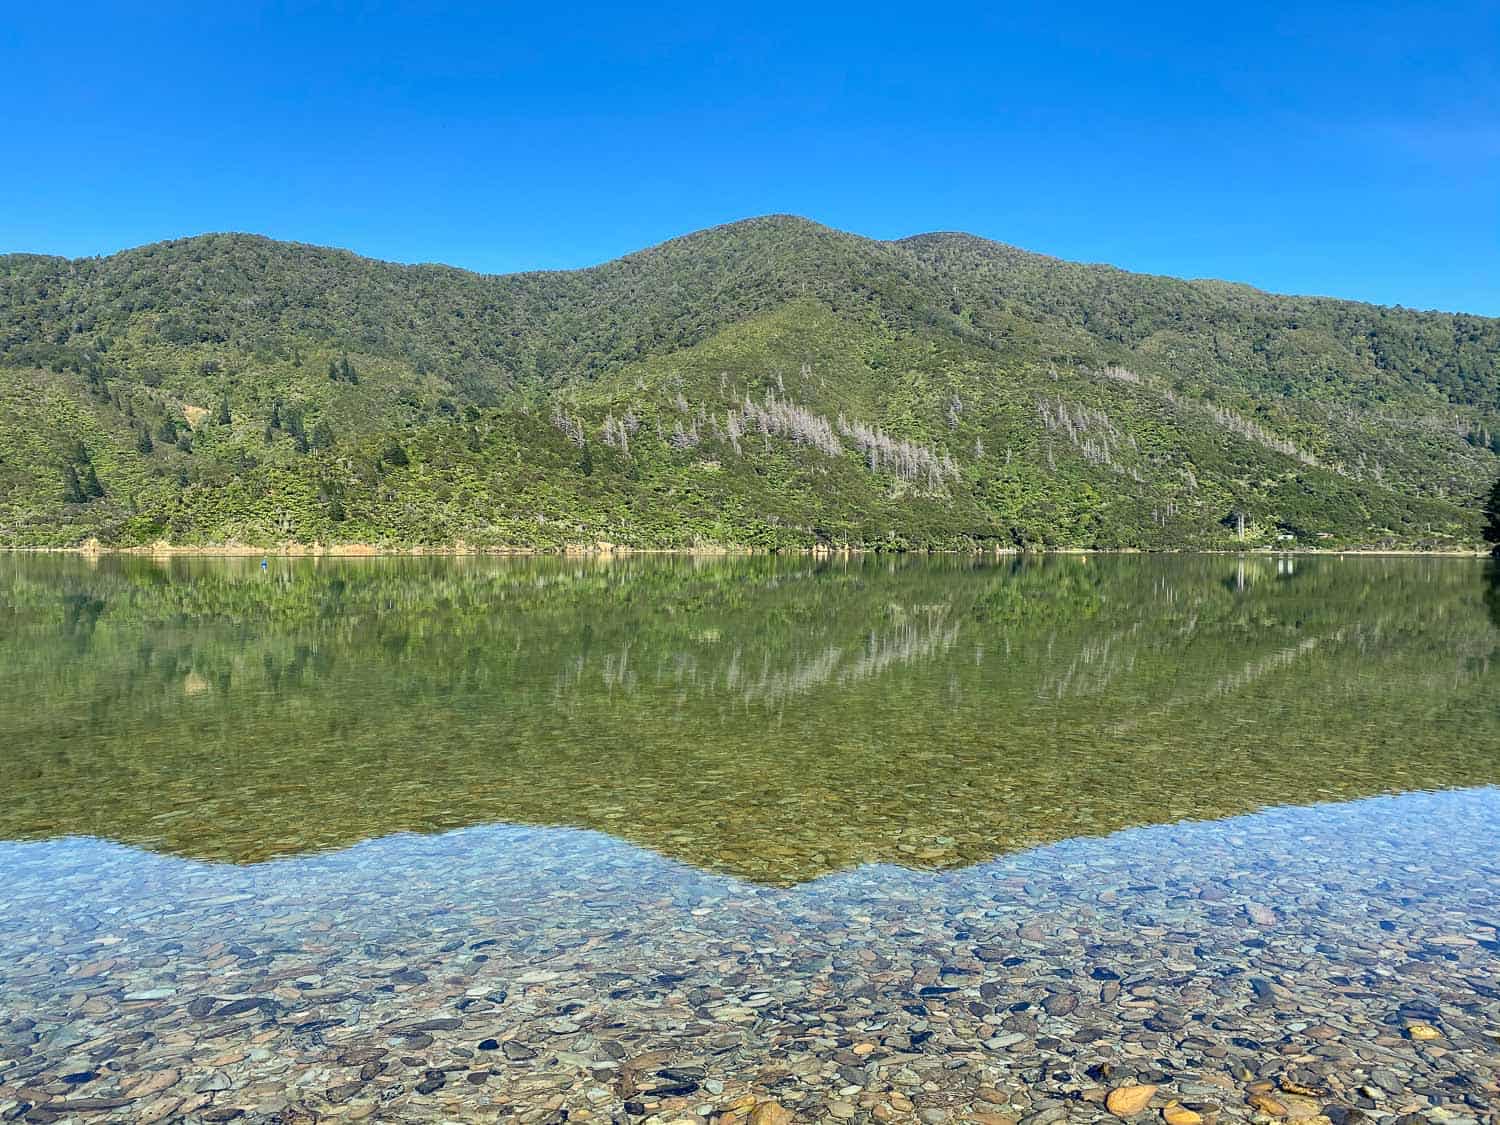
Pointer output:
x,y
1349,149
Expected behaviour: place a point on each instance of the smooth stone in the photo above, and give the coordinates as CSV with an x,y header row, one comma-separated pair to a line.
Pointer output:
x,y
239,1007
1127,1101
673,1090
770,1113
1267,1105
1175,1113
447,1024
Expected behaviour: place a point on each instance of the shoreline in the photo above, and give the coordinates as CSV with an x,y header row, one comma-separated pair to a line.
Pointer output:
x,y
612,550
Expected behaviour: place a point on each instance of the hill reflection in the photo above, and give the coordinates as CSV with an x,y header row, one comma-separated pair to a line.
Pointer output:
x,y
773,719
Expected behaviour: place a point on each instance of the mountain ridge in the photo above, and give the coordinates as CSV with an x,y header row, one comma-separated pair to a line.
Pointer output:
x,y
1063,404
789,218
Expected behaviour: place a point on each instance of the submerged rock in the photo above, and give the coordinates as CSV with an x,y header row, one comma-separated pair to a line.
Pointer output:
x,y
1127,1101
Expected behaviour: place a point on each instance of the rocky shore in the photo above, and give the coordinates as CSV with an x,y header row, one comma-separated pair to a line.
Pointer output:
x,y
1332,963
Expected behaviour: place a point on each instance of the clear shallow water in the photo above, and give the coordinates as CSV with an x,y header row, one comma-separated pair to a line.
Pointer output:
x,y
865,838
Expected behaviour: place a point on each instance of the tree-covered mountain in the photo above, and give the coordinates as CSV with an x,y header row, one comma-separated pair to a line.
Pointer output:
x,y
768,383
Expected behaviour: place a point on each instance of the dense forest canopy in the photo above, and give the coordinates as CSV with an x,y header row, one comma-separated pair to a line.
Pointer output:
x,y
768,383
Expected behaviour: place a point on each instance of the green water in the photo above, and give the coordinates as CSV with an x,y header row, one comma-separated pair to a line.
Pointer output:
x,y
775,719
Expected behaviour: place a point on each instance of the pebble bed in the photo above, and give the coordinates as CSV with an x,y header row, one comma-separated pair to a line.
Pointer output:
x,y
1335,962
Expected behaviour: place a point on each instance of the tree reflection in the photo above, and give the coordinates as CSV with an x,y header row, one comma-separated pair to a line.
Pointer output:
x,y
1492,590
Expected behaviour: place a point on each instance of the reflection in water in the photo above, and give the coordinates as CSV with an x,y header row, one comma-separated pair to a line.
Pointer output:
x,y
811,790
774,719
1492,594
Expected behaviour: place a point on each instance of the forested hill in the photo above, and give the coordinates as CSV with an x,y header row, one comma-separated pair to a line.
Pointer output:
x,y
768,383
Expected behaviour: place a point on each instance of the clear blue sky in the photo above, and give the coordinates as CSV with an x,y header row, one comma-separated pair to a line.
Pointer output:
x,y
1351,149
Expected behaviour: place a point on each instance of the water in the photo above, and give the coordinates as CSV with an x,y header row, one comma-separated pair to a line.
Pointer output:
x,y
674,837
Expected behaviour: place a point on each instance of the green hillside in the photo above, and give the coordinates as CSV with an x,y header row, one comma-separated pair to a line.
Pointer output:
x,y
770,383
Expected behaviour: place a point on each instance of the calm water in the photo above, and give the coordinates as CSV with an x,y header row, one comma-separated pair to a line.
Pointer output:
x,y
405,839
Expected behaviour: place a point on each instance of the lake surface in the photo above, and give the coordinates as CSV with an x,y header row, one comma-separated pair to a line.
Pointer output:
x,y
668,839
